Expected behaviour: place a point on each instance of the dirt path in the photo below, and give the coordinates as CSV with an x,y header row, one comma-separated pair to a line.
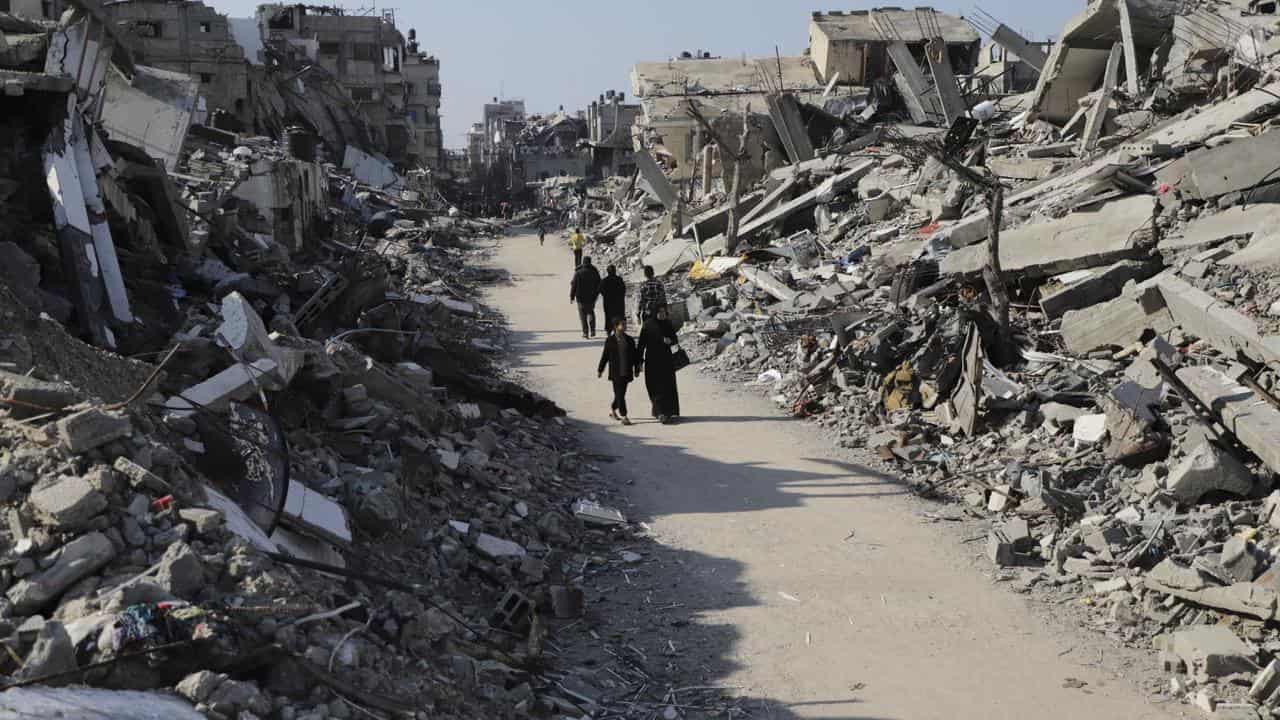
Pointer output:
x,y
815,583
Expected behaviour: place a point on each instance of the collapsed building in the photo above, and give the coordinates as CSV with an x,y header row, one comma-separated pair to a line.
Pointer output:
x,y
1054,307
256,458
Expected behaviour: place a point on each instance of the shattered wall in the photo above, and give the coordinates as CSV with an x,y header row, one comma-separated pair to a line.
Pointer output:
x,y
190,38
286,199
153,112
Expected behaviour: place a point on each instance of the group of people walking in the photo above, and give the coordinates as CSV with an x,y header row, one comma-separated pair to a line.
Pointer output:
x,y
655,353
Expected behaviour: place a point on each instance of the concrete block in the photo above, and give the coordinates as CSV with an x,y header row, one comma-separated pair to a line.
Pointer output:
x,y
92,428
1250,418
76,560
1207,470
141,478
1116,323
1075,242
316,513
68,503
1089,429
494,547
1212,651
32,395
1101,285
235,384
1265,682
1204,316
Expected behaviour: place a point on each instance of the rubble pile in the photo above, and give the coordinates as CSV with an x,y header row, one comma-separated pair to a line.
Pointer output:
x,y
255,452
1057,308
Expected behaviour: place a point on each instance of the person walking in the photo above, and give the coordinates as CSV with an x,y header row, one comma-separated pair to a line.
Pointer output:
x,y
657,338
622,359
614,293
653,295
585,290
542,233
578,242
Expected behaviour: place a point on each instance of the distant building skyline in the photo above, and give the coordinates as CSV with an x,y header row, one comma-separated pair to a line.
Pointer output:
x,y
567,53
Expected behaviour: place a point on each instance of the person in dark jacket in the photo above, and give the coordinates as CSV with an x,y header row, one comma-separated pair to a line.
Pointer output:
x,y
622,359
614,293
585,290
657,338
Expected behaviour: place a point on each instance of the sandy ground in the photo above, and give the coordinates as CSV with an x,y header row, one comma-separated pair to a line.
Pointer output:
x,y
815,585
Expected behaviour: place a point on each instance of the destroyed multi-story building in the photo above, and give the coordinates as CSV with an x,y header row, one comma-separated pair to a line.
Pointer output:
x,y
475,149
192,38
610,120
715,87
365,53
856,48
1003,71
552,146
423,91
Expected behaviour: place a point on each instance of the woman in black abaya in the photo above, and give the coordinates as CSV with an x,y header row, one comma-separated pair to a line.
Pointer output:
x,y
657,337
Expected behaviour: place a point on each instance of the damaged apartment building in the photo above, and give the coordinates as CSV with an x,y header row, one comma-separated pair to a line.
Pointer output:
x,y
366,86
365,53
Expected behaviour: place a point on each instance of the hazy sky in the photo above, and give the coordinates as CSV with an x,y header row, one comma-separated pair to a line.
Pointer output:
x,y
567,52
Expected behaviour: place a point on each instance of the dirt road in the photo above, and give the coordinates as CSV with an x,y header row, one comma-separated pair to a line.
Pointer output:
x,y
819,586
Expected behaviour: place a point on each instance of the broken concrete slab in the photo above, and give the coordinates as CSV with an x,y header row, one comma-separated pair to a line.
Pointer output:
x,y
970,230
372,170
495,547
1234,222
32,396
1262,253
1081,240
92,428
1099,286
1235,166
1204,316
1253,420
1116,323
673,255
235,384
246,335
312,512
1024,168
1208,469
82,703
831,186
1211,651
764,280
75,561
67,503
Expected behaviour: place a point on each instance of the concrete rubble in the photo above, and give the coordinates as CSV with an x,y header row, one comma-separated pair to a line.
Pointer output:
x,y
1119,429
257,456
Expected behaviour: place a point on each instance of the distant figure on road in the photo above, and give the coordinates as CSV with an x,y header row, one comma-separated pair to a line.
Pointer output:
x,y
614,292
657,337
623,361
578,242
653,295
585,290
542,233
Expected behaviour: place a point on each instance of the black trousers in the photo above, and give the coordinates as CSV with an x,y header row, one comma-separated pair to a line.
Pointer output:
x,y
620,397
577,258
587,313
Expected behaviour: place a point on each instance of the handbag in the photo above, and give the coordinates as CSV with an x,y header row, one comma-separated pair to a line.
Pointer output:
x,y
679,358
